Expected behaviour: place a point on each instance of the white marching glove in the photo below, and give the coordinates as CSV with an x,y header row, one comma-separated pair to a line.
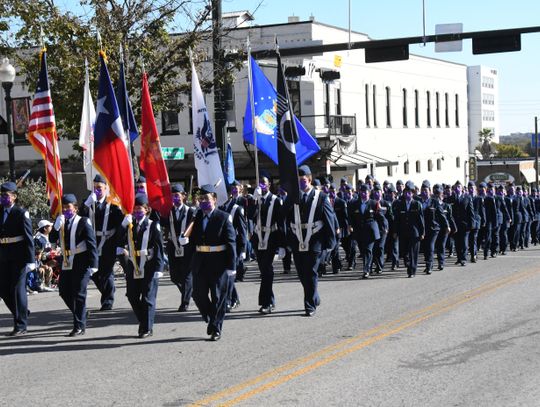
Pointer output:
x,y
243,256
92,198
231,273
120,251
93,270
30,267
128,219
183,240
158,275
257,194
59,222
281,253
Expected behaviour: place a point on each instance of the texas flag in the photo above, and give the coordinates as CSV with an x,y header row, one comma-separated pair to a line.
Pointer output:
x,y
111,156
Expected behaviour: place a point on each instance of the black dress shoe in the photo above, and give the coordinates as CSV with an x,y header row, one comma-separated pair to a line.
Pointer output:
x,y
440,268
17,332
183,308
427,271
76,332
310,313
365,275
216,336
145,334
286,271
266,310
106,308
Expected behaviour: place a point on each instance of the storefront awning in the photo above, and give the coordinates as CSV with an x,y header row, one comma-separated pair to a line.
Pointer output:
x,y
529,174
358,160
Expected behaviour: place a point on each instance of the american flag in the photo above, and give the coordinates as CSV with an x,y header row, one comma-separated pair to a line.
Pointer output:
x,y
43,137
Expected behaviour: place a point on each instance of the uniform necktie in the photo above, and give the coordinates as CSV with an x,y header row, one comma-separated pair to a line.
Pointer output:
x,y
304,198
205,222
6,213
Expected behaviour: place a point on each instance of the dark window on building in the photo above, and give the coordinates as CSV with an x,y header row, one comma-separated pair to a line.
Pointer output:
x,y
406,167
367,105
404,107
418,166
374,106
169,122
294,94
457,110
326,102
389,171
458,162
430,165
337,101
428,106
416,110
446,110
190,115
439,164
437,110
388,118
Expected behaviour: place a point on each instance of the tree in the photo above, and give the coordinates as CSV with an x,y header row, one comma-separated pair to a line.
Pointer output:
x,y
32,195
486,134
509,151
486,148
142,27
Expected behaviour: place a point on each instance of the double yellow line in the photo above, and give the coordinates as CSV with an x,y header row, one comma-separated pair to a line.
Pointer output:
x,y
306,364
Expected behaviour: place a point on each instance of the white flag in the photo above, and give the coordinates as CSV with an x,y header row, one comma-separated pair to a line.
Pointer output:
x,y
205,149
86,135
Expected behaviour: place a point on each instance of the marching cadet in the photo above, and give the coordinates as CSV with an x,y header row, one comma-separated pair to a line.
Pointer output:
x,y
342,232
462,209
282,195
106,219
517,208
507,223
141,188
479,220
384,221
434,221
399,188
311,232
529,217
17,256
440,243
348,242
409,226
145,263
392,244
490,220
268,237
180,217
214,260
502,218
235,207
79,260
535,225
364,218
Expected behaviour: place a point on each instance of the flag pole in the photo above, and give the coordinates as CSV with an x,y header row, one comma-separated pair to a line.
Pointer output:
x,y
90,142
131,151
252,102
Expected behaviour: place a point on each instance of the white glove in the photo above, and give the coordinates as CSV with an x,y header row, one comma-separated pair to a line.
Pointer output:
x,y
59,222
281,253
128,219
92,198
120,251
158,275
93,270
30,267
243,256
257,194
231,273
183,240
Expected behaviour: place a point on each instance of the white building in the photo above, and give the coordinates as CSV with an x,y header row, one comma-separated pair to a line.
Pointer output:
x,y
396,120
483,96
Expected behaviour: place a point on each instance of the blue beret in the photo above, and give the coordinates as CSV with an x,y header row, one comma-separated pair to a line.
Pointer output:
x,y
69,199
141,199
175,188
304,170
141,180
100,178
9,187
207,189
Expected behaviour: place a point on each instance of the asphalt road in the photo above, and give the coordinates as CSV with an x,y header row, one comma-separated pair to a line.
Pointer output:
x,y
465,336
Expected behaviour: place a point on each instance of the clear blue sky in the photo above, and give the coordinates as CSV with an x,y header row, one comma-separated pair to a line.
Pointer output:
x,y
519,77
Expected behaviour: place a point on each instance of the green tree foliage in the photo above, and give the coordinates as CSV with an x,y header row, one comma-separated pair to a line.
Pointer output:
x,y
509,151
142,27
485,135
32,195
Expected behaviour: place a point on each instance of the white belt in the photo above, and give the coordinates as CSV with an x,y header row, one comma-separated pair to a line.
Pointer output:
x,y
8,240
81,248
211,249
315,226
148,252
108,233
269,229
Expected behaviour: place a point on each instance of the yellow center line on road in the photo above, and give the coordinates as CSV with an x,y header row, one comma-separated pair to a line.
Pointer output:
x,y
345,347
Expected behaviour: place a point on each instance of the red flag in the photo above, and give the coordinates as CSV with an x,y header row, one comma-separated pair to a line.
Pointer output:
x,y
151,161
42,135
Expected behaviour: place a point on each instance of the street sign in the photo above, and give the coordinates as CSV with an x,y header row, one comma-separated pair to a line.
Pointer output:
x,y
173,153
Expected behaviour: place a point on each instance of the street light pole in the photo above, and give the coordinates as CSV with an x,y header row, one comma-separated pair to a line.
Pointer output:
x,y
7,76
536,147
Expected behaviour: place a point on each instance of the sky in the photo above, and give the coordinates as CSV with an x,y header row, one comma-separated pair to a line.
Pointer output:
x,y
519,84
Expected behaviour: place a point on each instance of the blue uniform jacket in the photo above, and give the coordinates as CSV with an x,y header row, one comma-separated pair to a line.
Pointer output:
x,y
17,223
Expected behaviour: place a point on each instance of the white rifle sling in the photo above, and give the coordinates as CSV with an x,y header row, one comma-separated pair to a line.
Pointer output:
x,y
143,253
178,249
310,227
104,235
72,244
263,240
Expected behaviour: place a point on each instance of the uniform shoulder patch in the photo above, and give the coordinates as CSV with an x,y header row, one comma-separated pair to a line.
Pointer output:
x,y
26,214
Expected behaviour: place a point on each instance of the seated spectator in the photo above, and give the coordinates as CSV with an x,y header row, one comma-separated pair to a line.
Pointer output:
x,y
45,255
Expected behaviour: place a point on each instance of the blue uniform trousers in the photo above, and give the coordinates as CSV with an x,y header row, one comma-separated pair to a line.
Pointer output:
x,y
72,288
429,247
13,292
410,247
265,259
378,252
473,243
182,277
104,279
461,240
213,307
307,266
142,295
440,247
503,237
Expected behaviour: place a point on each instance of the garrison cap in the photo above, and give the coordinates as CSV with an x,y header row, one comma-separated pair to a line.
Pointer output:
x,y
177,188
369,177
437,188
141,199
391,188
409,185
9,187
69,199
207,189
100,178
377,187
363,188
482,185
304,170
316,182
343,179
426,184
471,184
141,180
458,182
399,182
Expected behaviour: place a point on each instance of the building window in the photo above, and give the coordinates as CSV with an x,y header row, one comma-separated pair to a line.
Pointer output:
x,y
338,101
458,162
389,171
457,110
404,107
406,167
169,122
416,110
326,103
418,166
388,121
437,110
367,105
374,106
230,111
428,104
439,164
430,165
294,94
446,113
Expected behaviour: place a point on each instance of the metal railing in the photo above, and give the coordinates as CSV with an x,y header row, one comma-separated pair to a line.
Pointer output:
x,y
327,126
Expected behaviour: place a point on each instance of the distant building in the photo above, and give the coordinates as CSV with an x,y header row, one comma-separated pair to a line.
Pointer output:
x,y
483,103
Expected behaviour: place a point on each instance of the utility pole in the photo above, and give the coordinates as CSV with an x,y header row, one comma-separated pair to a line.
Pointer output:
x,y
536,147
220,117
